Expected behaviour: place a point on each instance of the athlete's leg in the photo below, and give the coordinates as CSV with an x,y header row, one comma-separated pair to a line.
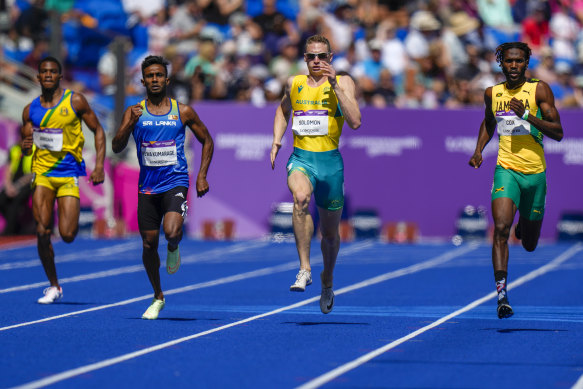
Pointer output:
x,y
529,232
151,259
69,208
43,202
173,222
503,211
303,225
329,222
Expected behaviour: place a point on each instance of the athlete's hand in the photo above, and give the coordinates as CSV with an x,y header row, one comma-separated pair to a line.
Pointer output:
x,y
274,150
517,106
97,176
136,112
476,160
202,186
26,145
328,71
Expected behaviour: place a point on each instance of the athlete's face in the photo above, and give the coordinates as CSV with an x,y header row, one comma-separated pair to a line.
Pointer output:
x,y
155,79
514,65
315,54
49,76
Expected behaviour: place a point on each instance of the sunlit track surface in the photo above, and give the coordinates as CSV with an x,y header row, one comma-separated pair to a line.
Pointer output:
x,y
230,320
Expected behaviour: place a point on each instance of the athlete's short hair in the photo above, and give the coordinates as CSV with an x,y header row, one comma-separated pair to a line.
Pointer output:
x,y
317,39
512,45
154,60
50,59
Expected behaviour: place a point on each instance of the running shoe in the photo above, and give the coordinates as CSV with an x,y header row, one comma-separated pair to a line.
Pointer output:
x,y
303,279
154,309
504,309
327,300
173,261
51,294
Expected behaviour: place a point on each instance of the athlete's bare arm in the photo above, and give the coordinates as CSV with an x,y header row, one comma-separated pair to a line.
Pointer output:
x,y
486,132
128,122
344,89
83,109
26,132
281,121
550,124
200,131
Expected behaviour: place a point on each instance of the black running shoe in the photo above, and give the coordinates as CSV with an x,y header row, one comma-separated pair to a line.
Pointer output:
x,y
504,309
517,231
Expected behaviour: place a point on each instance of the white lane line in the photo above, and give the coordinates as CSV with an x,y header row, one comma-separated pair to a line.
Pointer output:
x,y
208,256
83,255
579,383
224,280
112,361
340,370
81,277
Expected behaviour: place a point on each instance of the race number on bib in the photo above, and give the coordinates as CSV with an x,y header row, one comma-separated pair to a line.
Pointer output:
x,y
48,138
159,153
510,124
310,123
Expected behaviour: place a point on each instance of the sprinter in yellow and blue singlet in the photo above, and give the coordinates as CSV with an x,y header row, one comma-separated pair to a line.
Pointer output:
x,y
52,122
318,104
522,111
59,139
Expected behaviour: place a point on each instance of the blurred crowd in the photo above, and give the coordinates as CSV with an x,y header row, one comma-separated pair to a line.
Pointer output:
x,y
408,54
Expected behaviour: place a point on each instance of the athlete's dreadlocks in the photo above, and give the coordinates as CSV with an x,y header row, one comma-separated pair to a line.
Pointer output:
x,y
512,45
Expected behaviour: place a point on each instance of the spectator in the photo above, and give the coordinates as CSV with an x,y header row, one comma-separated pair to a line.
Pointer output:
x,y
15,193
187,22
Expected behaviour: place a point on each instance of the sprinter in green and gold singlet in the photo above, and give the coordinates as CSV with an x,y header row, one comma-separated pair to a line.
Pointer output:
x,y
52,122
319,103
522,111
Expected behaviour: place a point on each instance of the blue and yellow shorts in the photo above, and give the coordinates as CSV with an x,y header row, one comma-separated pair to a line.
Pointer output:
x,y
62,186
527,191
325,170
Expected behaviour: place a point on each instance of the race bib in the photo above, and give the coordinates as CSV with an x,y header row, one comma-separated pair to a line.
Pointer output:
x,y
509,124
48,138
310,123
159,153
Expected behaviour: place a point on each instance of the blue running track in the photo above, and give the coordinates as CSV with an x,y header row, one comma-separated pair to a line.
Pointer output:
x,y
405,316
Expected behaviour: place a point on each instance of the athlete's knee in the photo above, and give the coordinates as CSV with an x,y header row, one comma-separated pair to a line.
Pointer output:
x,y
68,236
173,234
301,201
501,231
529,244
149,245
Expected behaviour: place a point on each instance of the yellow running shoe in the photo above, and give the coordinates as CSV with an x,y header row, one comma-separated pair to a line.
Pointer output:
x,y
173,261
154,309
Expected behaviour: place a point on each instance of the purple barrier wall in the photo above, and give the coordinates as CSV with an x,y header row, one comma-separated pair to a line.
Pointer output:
x,y
407,164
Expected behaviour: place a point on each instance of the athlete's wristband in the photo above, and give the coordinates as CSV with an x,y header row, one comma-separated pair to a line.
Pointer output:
x,y
525,114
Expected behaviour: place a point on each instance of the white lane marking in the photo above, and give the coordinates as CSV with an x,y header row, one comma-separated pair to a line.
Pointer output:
x,y
237,277
84,255
208,256
327,377
112,361
81,277
579,383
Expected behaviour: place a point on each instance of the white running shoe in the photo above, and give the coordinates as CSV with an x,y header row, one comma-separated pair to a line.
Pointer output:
x,y
327,300
303,279
154,309
51,294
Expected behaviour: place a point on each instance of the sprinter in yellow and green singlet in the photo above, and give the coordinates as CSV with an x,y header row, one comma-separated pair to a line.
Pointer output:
x,y
522,111
52,122
318,103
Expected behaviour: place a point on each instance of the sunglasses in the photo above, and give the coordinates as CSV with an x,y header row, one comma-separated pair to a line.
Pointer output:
x,y
312,56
